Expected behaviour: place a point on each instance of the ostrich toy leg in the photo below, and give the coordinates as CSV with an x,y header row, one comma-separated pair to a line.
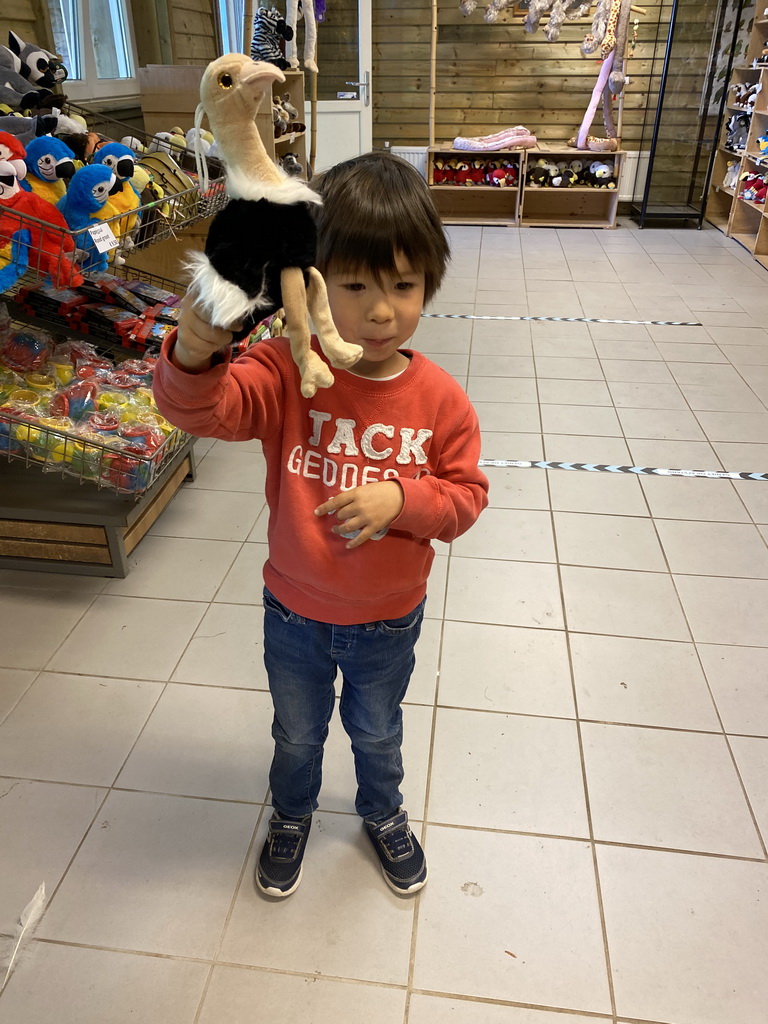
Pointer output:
x,y
314,373
340,353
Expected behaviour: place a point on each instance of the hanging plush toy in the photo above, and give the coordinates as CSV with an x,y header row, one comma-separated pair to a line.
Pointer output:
x,y
50,165
260,249
123,199
269,27
292,15
86,196
49,240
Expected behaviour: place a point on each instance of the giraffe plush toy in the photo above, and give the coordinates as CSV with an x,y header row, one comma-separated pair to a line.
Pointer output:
x,y
260,249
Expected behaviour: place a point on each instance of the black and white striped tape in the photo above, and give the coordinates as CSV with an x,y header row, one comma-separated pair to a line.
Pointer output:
x,y
713,474
564,319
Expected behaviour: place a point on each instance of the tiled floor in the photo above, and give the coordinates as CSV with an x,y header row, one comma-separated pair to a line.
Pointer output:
x,y
586,735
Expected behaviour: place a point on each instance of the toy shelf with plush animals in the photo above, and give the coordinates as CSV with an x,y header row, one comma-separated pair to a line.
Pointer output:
x,y
568,188
533,187
476,187
739,183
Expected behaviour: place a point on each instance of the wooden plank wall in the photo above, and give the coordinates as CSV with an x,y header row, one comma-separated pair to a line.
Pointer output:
x,y
29,19
491,76
195,33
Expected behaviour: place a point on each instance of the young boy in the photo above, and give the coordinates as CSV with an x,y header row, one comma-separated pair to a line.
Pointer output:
x,y
359,479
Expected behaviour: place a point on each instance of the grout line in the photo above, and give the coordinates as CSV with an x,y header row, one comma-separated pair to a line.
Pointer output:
x,y
584,778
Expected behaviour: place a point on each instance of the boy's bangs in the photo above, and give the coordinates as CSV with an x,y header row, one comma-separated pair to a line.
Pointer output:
x,y
373,250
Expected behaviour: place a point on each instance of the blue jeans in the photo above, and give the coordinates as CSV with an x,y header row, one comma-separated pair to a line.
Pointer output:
x,y
376,661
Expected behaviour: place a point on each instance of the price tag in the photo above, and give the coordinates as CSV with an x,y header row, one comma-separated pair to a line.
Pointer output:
x,y
103,237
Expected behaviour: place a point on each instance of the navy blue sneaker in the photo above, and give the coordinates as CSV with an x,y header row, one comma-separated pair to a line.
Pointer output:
x,y
402,859
279,869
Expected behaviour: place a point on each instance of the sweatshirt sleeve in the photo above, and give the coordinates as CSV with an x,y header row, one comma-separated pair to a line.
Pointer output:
x,y
234,401
444,504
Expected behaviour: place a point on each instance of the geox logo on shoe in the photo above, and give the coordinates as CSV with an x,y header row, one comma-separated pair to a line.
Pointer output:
x,y
294,828
388,826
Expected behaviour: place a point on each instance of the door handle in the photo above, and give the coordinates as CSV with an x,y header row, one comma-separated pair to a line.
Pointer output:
x,y
365,87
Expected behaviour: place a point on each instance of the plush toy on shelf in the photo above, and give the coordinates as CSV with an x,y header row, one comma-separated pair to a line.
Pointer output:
x,y
269,28
260,249
731,176
86,197
49,243
123,198
41,68
50,165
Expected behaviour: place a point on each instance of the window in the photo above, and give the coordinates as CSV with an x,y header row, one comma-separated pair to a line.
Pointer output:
x,y
232,16
95,41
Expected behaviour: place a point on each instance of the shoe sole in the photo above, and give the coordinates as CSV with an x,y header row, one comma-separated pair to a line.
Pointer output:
x,y
404,892
269,890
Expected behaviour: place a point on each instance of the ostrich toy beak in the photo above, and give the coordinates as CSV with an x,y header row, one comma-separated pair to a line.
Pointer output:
x,y
259,77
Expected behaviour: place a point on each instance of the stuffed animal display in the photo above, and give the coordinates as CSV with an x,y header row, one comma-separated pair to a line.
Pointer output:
x,y
753,187
48,243
50,165
260,249
745,95
737,131
569,174
28,74
501,172
269,30
86,196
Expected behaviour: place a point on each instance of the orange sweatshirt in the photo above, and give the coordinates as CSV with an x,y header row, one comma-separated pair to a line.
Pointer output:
x,y
418,428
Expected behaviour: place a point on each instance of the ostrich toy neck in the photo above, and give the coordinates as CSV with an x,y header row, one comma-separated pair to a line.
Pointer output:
x,y
242,149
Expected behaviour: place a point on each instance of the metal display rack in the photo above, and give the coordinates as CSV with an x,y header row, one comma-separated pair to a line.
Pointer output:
x,y
681,131
91,504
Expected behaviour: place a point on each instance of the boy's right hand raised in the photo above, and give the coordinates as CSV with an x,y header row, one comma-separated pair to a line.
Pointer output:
x,y
197,340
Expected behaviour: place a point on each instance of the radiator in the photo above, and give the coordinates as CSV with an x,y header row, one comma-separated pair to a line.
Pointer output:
x,y
416,155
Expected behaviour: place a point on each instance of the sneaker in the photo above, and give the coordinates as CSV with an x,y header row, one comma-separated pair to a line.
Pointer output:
x,y
279,870
402,859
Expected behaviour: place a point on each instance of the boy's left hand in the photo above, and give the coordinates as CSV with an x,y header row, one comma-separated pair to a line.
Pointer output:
x,y
368,509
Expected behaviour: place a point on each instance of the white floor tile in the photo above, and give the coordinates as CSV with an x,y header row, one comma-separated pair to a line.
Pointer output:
x,y
507,593
135,638
751,755
738,677
661,787
723,610
177,568
641,682
623,603
155,874
341,876
662,911
68,985
204,741
426,1009
516,534
505,668
511,917
13,683
42,825
521,772
76,729
57,611
227,649
234,992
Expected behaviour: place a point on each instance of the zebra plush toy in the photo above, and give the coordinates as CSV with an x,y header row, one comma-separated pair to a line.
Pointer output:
x,y
269,27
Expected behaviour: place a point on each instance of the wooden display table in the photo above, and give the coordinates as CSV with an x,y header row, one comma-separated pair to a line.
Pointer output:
x,y
54,523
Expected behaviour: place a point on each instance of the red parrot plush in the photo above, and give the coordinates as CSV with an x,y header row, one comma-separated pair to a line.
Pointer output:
x,y
49,241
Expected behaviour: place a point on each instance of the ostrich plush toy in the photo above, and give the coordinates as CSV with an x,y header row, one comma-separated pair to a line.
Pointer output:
x,y
260,249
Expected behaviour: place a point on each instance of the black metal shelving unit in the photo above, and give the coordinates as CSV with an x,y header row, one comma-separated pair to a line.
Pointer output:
x,y
693,54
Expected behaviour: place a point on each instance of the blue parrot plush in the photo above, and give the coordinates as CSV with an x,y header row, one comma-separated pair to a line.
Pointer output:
x,y
124,199
86,197
50,164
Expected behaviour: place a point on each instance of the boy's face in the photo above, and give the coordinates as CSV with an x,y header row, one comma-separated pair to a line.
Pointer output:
x,y
379,316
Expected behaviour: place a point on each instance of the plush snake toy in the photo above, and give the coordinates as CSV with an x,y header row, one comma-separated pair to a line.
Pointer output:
x,y
260,249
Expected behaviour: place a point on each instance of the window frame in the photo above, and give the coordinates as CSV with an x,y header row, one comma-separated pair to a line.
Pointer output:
x,y
90,86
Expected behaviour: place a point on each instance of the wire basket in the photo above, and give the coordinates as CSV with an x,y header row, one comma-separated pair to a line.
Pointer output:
x,y
86,456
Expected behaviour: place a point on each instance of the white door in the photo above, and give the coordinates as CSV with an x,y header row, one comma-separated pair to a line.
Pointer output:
x,y
344,112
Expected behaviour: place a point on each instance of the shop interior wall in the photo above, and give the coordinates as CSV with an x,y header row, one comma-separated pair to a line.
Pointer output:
x,y
488,76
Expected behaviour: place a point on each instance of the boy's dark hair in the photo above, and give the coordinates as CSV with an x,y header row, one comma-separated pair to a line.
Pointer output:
x,y
375,206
